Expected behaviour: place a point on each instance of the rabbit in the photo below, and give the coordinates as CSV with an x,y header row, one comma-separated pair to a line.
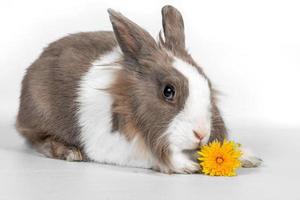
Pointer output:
x,y
119,97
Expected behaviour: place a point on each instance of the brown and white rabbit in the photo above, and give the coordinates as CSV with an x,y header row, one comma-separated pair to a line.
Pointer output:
x,y
121,98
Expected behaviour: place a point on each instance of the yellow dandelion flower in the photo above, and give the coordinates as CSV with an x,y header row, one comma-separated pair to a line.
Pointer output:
x,y
220,159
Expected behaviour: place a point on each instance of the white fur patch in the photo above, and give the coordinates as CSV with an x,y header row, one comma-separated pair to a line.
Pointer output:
x,y
196,114
95,118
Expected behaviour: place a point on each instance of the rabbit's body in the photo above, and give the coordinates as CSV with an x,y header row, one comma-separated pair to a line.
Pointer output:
x,y
103,141
50,86
62,99
120,98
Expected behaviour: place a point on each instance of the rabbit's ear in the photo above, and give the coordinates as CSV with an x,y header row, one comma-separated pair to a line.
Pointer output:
x,y
133,40
173,27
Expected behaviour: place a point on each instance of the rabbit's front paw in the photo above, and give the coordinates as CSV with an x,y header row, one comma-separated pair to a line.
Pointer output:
x,y
248,160
182,164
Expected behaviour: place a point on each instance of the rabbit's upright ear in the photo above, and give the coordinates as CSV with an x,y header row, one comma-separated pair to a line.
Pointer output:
x,y
173,27
133,40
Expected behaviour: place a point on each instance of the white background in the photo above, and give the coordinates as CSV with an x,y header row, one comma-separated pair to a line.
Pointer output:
x,y
249,49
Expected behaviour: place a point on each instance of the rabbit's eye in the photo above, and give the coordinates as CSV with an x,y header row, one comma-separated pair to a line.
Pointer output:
x,y
169,92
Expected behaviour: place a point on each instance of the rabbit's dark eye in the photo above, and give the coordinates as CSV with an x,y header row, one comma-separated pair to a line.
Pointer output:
x,y
169,92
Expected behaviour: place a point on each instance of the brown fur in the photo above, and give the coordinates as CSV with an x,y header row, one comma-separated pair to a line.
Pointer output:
x,y
48,108
139,86
173,27
49,89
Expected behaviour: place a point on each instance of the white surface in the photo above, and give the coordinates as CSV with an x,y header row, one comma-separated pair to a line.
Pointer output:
x,y
27,175
250,50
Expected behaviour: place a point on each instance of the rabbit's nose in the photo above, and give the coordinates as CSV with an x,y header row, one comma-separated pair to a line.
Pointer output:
x,y
198,134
